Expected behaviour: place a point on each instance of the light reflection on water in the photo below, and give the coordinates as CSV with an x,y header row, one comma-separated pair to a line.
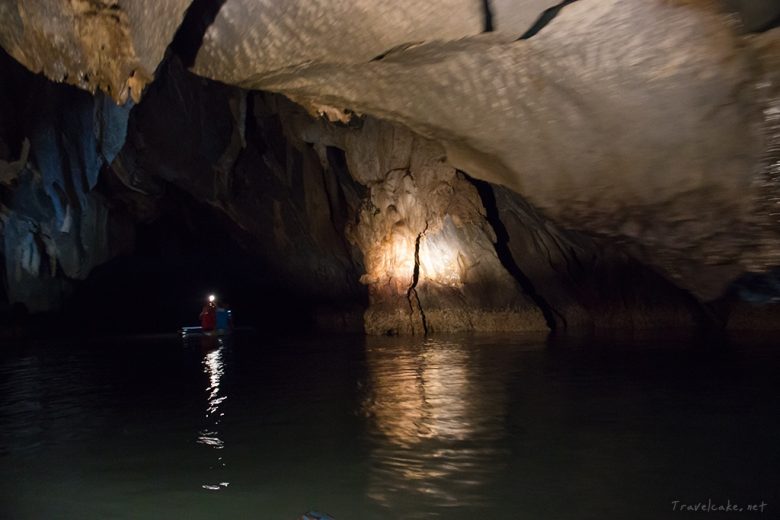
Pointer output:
x,y
436,424
209,435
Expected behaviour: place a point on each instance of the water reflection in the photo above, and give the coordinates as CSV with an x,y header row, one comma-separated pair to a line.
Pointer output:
x,y
435,420
214,367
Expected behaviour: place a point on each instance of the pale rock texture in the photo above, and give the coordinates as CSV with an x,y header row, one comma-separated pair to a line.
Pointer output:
x,y
251,38
636,120
428,251
513,18
110,45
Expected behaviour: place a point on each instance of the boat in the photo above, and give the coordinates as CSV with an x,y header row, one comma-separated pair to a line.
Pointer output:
x,y
220,321
223,325
191,332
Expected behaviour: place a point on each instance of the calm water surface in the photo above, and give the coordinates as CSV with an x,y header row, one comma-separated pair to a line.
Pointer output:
x,y
461,427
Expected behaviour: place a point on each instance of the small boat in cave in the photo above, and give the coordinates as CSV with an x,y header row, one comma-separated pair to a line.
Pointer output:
x,y
214,321
189,332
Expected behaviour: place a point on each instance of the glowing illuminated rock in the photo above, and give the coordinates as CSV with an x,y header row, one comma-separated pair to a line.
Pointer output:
x,y
430,264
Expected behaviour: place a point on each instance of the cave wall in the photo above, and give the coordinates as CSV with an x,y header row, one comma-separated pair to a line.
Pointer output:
x,y
614,167
328,201
79,172
586,281
225,147
430,264
55,228
446,252
360,218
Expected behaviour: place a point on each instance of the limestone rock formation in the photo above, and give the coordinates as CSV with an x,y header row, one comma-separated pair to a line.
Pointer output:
x,y
444,252
108,45
457,165
586,282
630,119
55,228
427,247
253,38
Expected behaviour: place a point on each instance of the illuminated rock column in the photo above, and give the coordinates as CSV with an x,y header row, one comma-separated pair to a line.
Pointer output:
x,y
430,260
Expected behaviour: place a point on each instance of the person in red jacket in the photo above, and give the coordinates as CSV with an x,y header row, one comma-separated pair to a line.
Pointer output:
x,y
208,315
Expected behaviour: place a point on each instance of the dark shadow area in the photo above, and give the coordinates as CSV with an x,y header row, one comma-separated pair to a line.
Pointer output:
x,y
750,308
756,15
15,96
187,253
189,38
772,24
488,16
488,198
758,287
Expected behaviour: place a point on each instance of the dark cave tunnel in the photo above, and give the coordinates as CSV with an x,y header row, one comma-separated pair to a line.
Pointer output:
x,y
168,249
188,252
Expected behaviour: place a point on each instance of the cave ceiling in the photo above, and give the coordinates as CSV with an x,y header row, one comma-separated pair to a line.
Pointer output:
x,y
653,123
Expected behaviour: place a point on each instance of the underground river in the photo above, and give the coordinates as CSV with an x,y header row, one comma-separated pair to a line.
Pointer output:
x,y
363,428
